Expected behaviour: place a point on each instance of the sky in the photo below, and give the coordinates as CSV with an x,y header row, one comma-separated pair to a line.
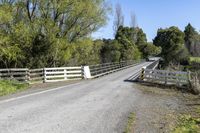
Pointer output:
x,y
154,14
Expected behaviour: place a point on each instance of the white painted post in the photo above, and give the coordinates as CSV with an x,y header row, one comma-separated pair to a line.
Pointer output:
x,y
65,74
28,75
86,71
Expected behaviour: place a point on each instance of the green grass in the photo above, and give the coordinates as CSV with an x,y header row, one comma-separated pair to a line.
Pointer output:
x,y
195,59
188,124
131,121
10,87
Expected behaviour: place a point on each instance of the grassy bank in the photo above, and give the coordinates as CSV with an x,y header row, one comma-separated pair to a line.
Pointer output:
x,y
10,87
130,123
188,124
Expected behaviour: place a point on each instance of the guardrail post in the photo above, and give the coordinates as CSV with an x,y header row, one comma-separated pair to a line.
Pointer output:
x,y
45,76
143,73
86,72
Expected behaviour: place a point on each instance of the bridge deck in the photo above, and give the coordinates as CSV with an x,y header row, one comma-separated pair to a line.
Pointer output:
x,y
99,105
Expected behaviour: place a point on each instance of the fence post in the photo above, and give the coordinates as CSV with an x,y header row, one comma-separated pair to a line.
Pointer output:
x,y
28,75
189,75
86,72
143,73
65,74
45,76
166,76
189,78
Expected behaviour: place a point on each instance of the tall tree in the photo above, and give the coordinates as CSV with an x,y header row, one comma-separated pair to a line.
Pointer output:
x,y
40,30
129,49
171,40
192,40
133,22
119,18
110,51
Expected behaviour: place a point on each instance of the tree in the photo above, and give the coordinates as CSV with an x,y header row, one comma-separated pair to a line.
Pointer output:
x,y
110,51
41,31
149,49
140,37
192,40
119,18
133,22
171,40
129,50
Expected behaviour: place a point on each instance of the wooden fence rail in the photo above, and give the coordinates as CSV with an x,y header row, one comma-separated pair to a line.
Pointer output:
x,y
64,73
103,69
178,78
42,75
36,75
20,74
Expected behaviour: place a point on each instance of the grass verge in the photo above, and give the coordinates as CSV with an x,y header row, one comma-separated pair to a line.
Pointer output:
x,y
188,124
10,87
131,121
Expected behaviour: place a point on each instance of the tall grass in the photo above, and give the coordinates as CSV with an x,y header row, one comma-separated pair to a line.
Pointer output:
x,y
10,86
195,59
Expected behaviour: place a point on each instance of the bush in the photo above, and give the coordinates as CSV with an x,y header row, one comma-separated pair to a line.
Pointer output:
x,y
9,87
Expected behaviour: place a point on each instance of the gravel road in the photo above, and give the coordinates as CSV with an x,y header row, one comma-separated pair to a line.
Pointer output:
x,y
94,106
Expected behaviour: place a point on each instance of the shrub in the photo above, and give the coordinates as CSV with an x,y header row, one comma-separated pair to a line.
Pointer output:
x,y
10,86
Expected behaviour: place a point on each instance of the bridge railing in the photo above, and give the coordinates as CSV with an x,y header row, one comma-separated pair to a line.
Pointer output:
x,y
64,73
106,68
36,75
43,74
178,78
20,74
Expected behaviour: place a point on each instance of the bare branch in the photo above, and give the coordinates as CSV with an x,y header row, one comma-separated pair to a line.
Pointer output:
x,y
119,18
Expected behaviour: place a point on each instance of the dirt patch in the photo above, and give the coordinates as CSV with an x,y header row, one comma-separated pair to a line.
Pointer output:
x,y
159,109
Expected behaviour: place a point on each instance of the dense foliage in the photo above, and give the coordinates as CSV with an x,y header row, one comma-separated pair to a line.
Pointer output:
x,y
192,40
134,43
177,46
172,42
40,33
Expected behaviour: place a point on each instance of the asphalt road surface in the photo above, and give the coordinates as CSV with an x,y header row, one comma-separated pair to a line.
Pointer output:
x,y
92,106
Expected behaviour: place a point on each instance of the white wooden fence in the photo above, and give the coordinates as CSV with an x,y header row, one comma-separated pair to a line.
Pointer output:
x,y
36,75
42,75
64,73
178,78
